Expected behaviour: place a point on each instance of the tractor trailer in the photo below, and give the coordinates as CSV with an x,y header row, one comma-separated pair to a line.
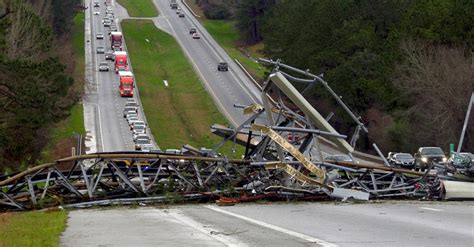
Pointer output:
x,y
126,83
121,62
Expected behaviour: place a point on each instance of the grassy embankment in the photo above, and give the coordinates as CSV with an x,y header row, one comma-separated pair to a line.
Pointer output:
x,y
61,135
32,228
139,8
182,112
225,33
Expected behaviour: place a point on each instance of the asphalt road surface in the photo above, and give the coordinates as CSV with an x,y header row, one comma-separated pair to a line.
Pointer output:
x,y
102,101
388,223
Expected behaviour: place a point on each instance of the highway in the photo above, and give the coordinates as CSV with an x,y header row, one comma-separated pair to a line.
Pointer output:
x,y
388,223
226,88
102,101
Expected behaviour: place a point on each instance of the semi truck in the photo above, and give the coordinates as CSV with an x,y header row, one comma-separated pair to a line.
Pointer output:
x,y
126,83
116,40
121,62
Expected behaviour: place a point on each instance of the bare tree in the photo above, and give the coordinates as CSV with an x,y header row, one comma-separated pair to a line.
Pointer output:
x,y
439,81
28,36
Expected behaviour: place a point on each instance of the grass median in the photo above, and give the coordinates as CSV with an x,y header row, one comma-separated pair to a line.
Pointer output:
x,y
32,228
139,8
181,112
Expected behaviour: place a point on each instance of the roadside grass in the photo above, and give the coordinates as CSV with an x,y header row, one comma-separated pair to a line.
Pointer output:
x,y
226,34
139,8
182,112
32,228
61,133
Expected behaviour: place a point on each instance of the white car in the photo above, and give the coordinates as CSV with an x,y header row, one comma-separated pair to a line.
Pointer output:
x,y
139,129
131,103
140,136
130,120
129,109
97,13
147,147
141,123
140,143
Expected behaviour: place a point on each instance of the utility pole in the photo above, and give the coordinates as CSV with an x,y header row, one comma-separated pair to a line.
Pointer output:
x,y
466,120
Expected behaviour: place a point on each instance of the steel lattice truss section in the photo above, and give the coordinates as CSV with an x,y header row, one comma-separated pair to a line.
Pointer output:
x,y
283,157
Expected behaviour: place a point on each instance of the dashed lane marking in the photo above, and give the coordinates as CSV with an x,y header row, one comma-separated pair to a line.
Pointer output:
x,y
432,209
273,227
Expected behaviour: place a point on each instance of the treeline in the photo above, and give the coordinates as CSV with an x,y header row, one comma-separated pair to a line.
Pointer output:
x,y
35,88
405,66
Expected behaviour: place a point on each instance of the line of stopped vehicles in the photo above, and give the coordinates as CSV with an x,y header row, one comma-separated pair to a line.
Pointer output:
x,y
126,79
425,158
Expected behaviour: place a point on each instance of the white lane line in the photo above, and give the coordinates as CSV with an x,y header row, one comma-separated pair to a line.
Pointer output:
x,y
226,240
203,78
432,209
273,227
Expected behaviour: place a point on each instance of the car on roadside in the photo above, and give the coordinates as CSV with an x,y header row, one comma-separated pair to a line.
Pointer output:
x,y
339,157
426,155
148,148
103,66
173,151
140,136
131,114
181,15
112,28
223,66
117,48
128,109
131,102
461,160
139,129
100,50
196,36
107,24
132,119
109,55
140,143
192,30
99,36
137,123
403,160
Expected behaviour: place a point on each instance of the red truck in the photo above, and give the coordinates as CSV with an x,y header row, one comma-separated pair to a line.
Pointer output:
x,y
121,62
126,83
116,40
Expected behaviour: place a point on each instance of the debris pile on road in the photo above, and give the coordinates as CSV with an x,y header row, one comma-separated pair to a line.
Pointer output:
x,y
285,157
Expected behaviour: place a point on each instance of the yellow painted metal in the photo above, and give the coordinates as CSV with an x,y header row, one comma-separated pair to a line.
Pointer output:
x,y
292,150
305,180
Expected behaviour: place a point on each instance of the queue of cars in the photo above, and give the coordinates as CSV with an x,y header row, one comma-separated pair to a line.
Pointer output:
x,y
114,53
425,158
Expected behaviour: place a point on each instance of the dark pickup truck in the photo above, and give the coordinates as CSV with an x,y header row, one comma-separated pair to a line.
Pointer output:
x,y
222,66
426,155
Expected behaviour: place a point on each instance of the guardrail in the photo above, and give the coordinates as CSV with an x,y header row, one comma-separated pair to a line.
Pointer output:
x,y
190,9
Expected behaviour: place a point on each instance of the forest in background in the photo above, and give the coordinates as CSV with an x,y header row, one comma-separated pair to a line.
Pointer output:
x,y
406,67
36,89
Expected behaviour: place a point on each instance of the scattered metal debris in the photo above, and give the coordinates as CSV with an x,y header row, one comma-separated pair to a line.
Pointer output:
x,y
283,160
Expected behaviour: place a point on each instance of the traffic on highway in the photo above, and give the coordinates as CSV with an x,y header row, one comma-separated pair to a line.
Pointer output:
x,y
118,95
